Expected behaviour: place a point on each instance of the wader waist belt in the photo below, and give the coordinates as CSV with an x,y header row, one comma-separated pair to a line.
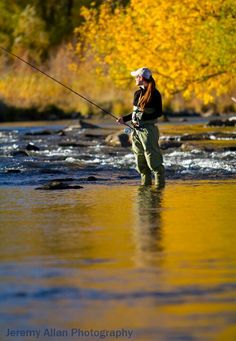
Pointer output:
x,y
144,124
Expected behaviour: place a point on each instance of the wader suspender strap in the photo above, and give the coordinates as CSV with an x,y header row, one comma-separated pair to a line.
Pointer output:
x,y
136,118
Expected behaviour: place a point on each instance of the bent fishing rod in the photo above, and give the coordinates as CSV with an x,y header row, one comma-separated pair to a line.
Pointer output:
x,y
65,86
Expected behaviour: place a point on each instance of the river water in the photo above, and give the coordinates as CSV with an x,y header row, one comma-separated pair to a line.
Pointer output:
x,y
78,153
109,259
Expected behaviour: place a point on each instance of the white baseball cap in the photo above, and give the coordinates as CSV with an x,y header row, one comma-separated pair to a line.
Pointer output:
x,y
142,72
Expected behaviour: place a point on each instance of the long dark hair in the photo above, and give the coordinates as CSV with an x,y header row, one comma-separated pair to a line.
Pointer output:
x,y
146,98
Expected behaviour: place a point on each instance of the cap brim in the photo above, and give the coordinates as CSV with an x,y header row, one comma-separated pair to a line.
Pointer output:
x,y
134,73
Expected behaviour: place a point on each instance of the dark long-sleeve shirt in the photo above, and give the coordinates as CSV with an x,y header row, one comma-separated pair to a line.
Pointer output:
x,y
155,103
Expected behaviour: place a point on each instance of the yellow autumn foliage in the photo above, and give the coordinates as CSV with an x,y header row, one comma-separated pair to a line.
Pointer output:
x,y
23,87
190,45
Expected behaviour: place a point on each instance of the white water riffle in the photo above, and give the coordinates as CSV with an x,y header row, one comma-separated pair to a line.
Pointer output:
x,y
97,155
201,161
181,162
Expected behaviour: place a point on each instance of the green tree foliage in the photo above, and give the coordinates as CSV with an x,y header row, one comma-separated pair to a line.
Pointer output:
x,y
8,16
30,35
40,25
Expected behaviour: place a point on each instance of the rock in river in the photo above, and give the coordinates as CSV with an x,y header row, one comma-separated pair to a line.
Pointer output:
x,y
192,137
91,178
222,123
39,133
19,153
118,140
82,125
31,146
170,144
54,185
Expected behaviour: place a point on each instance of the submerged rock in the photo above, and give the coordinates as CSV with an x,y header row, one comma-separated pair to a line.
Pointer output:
x,y
31,146
230,149
46,132
209,146
61,133
51,171
71,144
170,138
118,140
187,147
170,144
19,153
210,113
63,179
41,132
191,137
222,123
86,125
94,136
222,135
55,185
200,137
82,125
91,178
13,171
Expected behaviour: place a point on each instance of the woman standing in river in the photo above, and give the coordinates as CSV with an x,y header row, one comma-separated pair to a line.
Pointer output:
x,y
147,107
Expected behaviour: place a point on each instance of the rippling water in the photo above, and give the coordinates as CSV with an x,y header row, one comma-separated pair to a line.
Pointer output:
x,y
82,152
161,264
113,255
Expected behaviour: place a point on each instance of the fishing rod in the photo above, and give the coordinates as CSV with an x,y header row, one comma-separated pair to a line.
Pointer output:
x,y
65,86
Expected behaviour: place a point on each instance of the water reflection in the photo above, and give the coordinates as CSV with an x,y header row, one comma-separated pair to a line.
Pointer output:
x,y
159,262
148,226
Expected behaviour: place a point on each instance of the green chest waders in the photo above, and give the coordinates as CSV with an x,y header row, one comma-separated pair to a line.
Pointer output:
x,y
148,154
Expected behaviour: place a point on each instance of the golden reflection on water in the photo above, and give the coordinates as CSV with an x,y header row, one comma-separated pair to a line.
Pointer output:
x,y
175,249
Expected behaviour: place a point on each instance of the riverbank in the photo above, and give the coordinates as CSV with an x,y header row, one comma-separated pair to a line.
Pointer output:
x,y
11,114
51,112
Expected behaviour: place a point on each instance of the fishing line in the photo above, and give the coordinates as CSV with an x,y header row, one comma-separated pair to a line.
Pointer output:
x,y
65,86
